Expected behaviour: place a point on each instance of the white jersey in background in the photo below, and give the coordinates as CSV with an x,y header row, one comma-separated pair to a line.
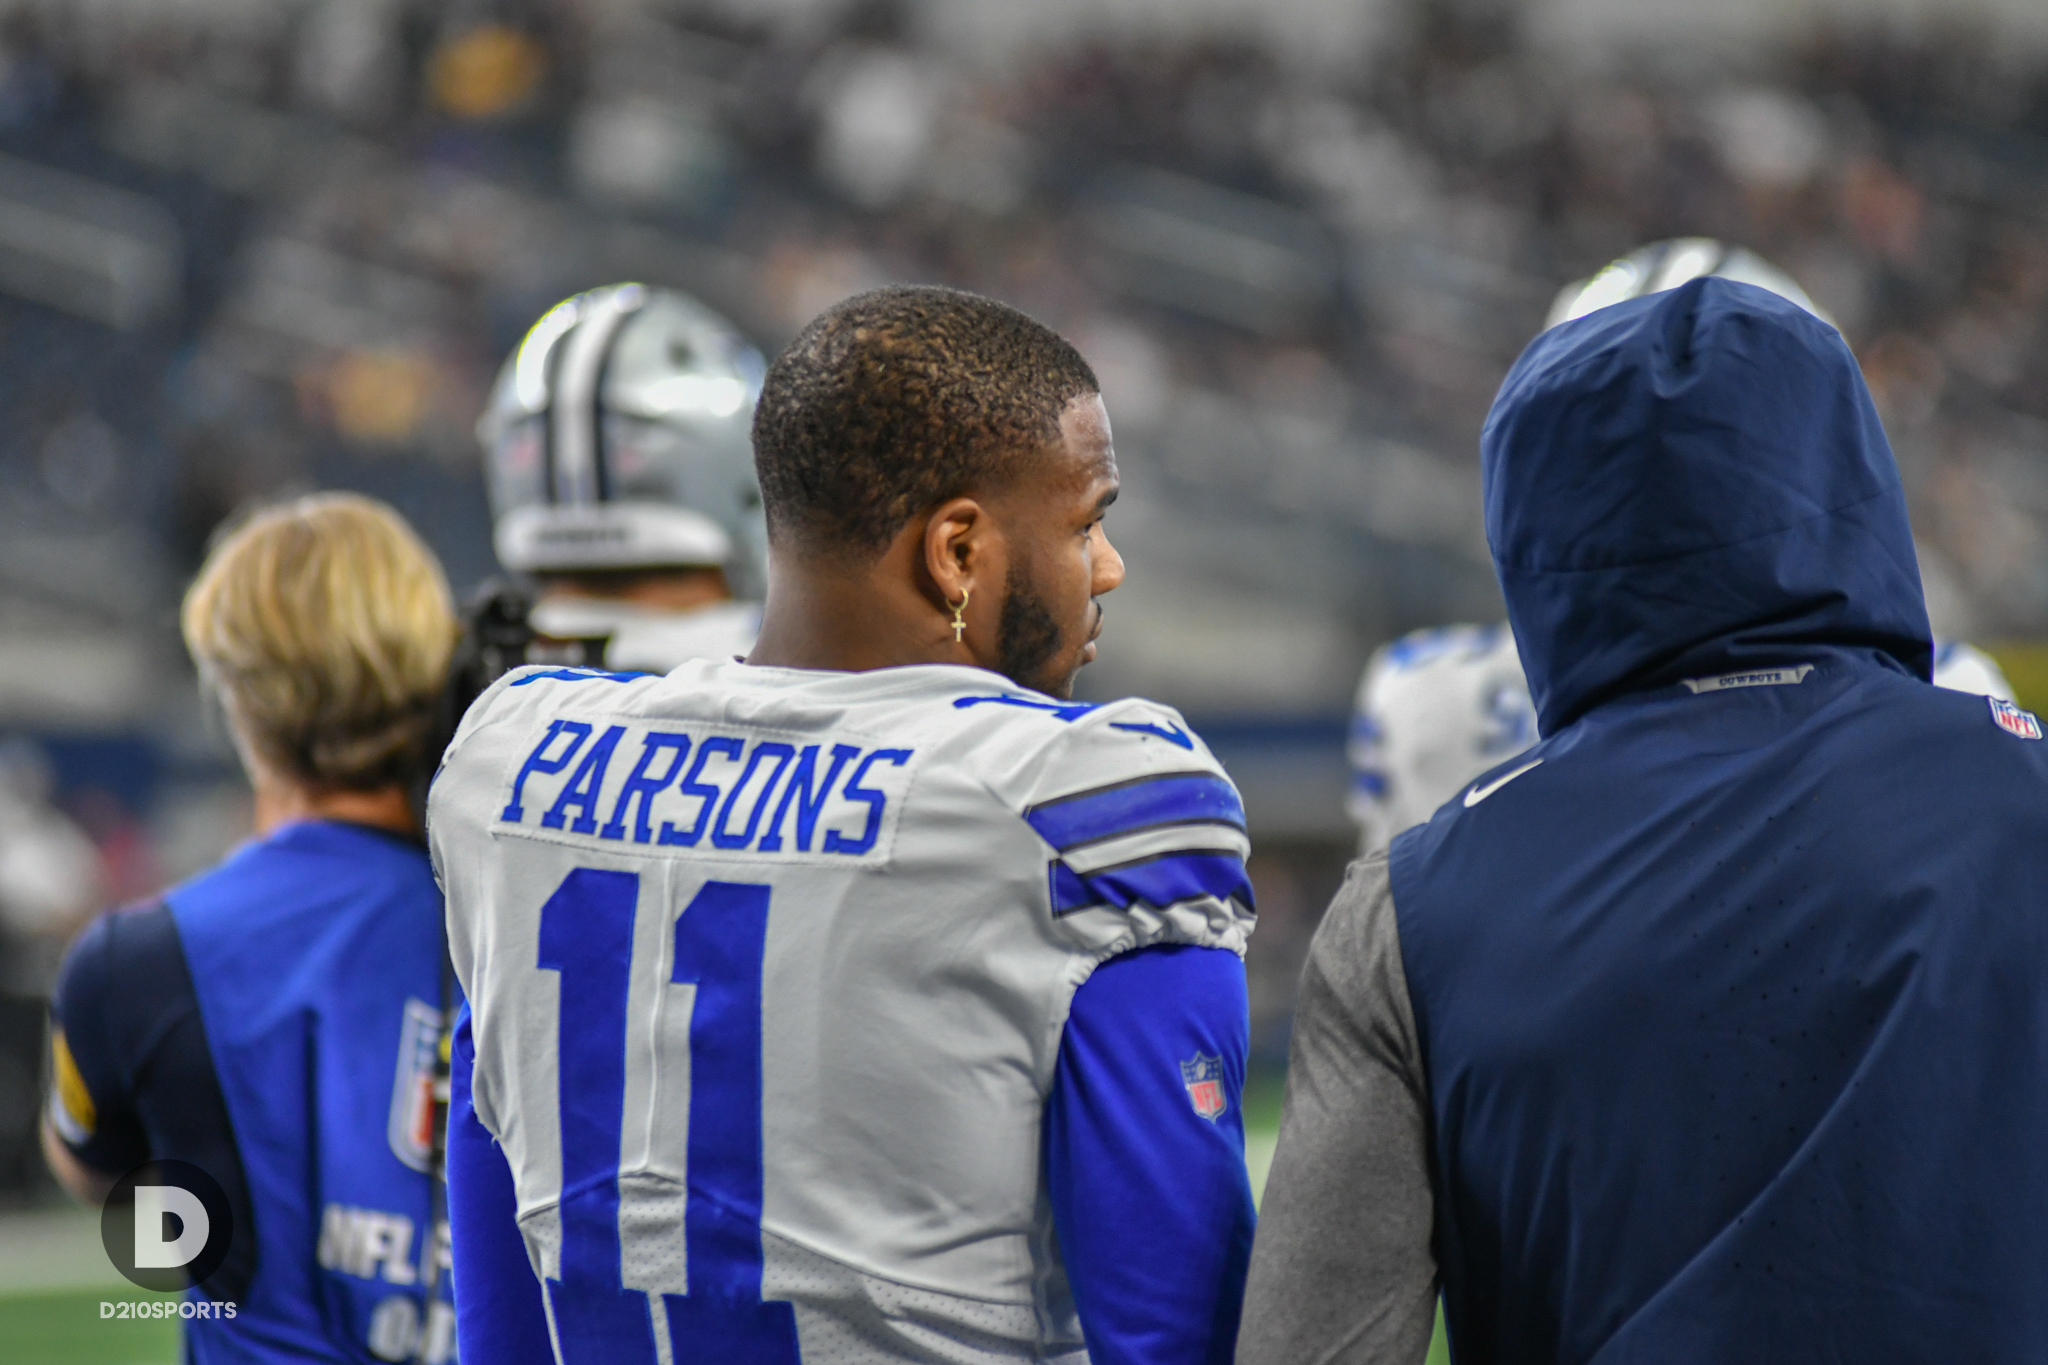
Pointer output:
x,y
788,954
1438,707
1966,668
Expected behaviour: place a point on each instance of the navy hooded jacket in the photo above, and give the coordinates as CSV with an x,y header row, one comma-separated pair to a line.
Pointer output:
x,y
1734,995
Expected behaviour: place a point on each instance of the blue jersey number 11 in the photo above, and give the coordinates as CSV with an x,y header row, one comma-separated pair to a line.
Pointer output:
x,y
586,934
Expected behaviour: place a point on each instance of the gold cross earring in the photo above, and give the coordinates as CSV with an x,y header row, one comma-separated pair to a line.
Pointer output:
x,y
960,617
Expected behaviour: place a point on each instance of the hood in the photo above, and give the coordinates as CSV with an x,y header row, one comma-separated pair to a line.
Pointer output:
x,y
1692,483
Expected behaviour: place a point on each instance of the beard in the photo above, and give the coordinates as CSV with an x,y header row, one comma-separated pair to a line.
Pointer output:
x,y
1029,641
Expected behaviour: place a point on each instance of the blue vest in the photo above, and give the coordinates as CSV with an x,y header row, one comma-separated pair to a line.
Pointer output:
x,y
1750,1053
1735,1009
316,958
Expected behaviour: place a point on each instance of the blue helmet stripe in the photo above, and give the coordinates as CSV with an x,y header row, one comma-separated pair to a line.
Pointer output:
x,y
1106,812
1157,882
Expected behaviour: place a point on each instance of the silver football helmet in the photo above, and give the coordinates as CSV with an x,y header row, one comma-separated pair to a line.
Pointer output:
x,y
1665,265
618,437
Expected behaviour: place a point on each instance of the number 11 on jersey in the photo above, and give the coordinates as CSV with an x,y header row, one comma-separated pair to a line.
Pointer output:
x,y
586,934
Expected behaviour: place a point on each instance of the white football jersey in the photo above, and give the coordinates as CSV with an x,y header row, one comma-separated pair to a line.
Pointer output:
x,y
1438,707
768,971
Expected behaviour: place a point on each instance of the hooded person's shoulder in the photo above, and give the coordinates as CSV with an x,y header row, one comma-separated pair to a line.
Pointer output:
x,y
1962,736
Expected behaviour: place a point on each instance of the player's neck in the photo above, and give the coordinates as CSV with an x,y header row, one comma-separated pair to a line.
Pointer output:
x,y
853,617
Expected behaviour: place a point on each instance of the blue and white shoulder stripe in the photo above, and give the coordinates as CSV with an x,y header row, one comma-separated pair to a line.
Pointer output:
x,y
1158,839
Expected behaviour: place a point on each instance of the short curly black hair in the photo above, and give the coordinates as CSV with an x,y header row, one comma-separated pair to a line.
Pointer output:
x,y
892,401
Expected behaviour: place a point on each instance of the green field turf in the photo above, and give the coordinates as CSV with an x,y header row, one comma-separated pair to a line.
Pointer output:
x,y
65,1328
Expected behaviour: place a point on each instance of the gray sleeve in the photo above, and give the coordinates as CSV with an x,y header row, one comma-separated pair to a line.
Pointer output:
x,y
1342,1269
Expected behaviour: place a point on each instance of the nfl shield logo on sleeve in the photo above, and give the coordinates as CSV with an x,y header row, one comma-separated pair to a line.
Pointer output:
x,y
2014,721
411,1128
1203,1077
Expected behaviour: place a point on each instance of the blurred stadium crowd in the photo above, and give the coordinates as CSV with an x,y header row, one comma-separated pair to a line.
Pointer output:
x,y
250,247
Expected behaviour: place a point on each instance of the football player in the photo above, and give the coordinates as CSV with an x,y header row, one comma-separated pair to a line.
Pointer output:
x,y
1440,706
622,481
869,1000
246,1022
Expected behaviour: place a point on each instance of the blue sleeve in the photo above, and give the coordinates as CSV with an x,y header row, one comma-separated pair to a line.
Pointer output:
x,y
499,1317
1144,1144
98,1017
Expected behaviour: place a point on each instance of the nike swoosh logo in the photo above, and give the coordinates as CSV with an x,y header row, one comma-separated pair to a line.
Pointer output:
x,y
1478,794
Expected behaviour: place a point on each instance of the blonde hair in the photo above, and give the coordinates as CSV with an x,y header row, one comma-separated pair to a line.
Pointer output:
x,y
326,626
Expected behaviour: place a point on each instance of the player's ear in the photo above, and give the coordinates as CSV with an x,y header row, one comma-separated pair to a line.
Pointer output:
x,y
962,558
955,547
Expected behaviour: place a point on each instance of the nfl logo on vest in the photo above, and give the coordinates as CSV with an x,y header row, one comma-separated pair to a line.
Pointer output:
x,y
2013,720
